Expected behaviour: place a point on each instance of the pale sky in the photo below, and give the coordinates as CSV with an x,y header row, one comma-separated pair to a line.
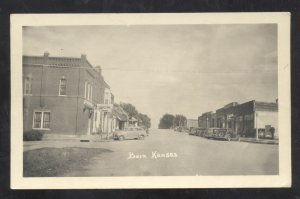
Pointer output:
x,y
177,69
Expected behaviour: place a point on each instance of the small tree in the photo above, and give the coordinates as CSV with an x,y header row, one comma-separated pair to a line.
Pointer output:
x,y
166,122
145,120
130,109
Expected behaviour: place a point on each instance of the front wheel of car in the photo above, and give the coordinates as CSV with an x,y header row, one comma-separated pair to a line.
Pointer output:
x,y
121,138
141,137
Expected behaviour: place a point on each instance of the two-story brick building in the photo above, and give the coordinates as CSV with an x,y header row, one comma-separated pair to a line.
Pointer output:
x,y
64,95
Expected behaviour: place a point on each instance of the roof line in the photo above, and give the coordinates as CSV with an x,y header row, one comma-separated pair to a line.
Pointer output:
x,y
51,57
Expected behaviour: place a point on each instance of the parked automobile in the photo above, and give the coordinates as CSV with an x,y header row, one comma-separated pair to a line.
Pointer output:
x,y
268,135
193,131
261,133
200,132
184,129
130,133
225,134
181,129
146,129
209,133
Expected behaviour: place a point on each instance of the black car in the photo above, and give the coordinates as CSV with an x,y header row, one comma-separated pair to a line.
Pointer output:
x,y
225,134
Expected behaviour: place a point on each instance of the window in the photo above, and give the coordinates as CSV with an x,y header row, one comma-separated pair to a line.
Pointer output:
x,y
91,93
249,117
37,120
41,120
27,88
88,91
46,120
63,86
106,98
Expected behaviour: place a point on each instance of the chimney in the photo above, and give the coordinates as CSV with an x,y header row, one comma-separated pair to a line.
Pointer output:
x,y
98,69
46,56
83,57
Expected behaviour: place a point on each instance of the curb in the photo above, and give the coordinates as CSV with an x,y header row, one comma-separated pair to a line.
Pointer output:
x,y
261,142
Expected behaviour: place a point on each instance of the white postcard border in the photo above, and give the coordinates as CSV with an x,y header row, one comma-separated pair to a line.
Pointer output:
x,y
284,95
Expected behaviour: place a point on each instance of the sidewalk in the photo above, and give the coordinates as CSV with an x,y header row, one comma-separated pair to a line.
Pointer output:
x,y
259,141
78,138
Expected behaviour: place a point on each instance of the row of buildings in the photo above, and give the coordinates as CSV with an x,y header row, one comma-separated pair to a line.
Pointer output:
x,y
67,95
243,118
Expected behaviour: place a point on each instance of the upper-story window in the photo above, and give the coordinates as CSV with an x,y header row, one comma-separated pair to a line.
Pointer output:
x,y
249,117
88,92
91,93
106,100
27,86
63,86
107,97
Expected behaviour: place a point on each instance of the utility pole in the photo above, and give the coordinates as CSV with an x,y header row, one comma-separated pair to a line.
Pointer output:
x,y
207,122
256,126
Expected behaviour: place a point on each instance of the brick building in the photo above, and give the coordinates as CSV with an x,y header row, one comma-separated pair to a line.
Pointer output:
x,y
204,121
64,95
243,118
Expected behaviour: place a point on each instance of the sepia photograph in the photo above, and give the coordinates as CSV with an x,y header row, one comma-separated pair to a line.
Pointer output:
x,y
151,99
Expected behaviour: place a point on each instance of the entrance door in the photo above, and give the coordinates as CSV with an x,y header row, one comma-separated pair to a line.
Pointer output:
x,y
89,126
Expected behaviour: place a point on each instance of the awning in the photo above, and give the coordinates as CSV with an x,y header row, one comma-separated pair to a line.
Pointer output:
x,y
119,115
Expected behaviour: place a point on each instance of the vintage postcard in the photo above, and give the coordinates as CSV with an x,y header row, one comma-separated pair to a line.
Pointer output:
x,y
106,101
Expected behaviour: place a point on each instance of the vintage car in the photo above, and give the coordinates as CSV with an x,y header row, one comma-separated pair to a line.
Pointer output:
x,y
225,134
209,133
261,133
130,133
146,129
200,132
181,129
193,131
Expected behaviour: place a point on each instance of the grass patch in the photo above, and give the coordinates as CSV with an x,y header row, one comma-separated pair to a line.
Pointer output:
x,y
51,162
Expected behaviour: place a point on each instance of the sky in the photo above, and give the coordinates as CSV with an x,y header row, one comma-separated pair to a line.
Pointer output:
x,y
175,69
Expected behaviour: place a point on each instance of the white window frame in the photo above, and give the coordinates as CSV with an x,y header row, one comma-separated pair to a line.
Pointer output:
x,y
29,84
59,89
107,97
86,89
91,93
42,119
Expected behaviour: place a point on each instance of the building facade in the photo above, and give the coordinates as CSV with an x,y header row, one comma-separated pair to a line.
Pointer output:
x,y
204,121
133,122
191,123
244,118
64,95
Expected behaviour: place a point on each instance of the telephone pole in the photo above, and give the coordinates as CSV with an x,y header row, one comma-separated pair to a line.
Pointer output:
x,y
256,126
